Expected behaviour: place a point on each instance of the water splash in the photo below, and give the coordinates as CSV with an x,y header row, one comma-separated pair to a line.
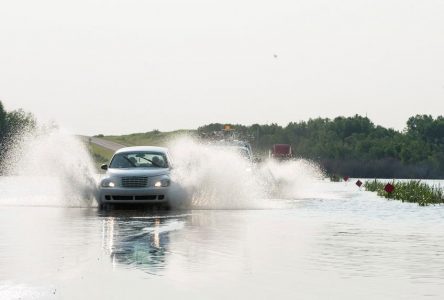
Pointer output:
x,y
295,179
220,178
53,167
48,166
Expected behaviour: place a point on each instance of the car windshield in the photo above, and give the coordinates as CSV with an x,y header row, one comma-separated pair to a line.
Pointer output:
x,y
139,159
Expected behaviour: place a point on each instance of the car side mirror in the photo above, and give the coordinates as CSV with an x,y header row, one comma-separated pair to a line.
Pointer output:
x,y
104,167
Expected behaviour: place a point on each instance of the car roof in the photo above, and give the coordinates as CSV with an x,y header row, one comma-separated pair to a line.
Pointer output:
x,y
142,148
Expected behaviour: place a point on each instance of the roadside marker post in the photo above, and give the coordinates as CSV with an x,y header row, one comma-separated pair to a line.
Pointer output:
x,y
389,188
359,183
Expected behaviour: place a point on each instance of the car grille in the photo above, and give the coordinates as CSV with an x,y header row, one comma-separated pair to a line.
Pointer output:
x,y
134,182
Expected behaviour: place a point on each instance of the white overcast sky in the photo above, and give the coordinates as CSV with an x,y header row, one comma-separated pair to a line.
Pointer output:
x,y
106,66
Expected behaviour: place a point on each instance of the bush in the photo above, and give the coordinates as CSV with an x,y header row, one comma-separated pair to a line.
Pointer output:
x,y
411,191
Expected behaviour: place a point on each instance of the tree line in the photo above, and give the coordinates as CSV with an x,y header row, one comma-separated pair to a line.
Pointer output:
x,y
355,146
344,146
12,124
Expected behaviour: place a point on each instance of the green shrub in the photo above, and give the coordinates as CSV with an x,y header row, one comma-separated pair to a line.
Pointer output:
x,y
409,191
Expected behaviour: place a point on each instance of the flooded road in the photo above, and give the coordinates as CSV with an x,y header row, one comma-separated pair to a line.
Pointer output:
x,y
342,243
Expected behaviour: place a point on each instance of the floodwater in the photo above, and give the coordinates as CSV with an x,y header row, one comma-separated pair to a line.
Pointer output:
x,y
335,241
233,240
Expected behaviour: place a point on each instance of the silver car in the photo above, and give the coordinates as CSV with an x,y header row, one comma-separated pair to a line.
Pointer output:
x,y
136,175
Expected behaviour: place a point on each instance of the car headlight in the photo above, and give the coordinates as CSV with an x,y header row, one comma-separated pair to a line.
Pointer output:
x,y
162,183
108,183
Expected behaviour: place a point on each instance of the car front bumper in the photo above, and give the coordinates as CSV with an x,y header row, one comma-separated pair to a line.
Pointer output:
x,y
133,195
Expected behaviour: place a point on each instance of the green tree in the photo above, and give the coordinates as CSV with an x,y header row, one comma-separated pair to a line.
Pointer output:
x,y
13,124
3,116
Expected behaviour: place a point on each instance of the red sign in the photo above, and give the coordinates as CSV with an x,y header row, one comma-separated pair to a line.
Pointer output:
x,y
359,183
389,188
346,178
281,149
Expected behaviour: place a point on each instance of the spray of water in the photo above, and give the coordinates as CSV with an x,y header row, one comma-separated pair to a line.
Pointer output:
x,y
294,179
47,167
213,177
53,167
220,178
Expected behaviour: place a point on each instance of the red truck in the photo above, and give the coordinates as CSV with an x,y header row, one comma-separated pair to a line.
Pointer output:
x,y
281,151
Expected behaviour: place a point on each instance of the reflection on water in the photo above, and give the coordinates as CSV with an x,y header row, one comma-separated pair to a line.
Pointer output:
x,y
341,243
139,240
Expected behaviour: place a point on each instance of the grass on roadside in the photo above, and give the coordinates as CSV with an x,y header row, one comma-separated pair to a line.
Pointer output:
x,y
99,154
152,138
409,191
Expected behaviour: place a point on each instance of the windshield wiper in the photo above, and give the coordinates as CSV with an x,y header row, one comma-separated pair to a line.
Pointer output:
x,y
129,160
152,162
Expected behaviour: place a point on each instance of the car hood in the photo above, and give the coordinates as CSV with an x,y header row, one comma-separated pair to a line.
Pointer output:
x,y
138,172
